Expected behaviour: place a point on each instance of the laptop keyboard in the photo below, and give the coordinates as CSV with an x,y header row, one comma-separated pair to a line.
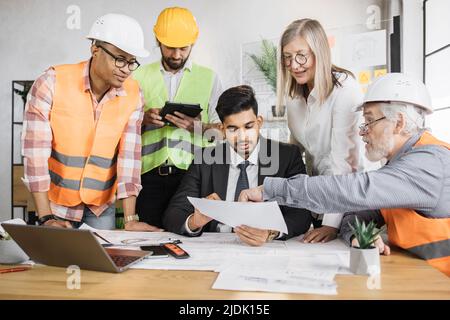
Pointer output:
x,y
123,261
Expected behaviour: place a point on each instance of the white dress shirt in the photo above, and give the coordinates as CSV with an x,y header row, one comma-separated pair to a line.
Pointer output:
x,y
233,176
329,133
173,80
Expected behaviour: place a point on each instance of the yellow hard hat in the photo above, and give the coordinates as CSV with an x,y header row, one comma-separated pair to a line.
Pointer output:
x,y
176,27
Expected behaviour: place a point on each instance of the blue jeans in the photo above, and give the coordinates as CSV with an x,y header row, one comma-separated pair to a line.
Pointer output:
x,y
106,221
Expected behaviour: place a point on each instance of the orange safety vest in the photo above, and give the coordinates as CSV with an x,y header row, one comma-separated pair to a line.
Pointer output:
x,y
425,237
82,165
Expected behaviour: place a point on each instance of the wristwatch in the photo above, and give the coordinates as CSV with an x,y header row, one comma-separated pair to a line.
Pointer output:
x,y
133,217
272,235
44,219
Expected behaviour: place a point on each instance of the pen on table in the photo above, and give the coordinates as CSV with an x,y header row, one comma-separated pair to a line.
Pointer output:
x,y
15,269
108,242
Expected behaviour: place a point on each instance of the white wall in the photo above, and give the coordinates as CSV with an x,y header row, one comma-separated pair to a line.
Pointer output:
x,y
34,36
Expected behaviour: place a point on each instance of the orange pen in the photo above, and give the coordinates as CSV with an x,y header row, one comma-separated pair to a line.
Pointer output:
x,y
15,269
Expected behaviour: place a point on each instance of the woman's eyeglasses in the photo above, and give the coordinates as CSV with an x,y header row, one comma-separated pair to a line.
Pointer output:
x,y
299,58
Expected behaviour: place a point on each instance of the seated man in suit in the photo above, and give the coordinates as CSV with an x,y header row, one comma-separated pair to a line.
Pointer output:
x,y
224,170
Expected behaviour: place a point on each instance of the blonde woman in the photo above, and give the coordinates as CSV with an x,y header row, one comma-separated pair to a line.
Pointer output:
x,y
319,99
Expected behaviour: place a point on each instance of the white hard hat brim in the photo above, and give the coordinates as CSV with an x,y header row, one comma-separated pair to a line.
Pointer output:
x,y
361,106
141,53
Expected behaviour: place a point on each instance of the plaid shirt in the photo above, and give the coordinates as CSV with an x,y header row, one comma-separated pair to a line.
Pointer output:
x,y
37,144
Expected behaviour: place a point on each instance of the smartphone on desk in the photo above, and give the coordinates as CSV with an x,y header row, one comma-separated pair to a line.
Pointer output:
x,y
175,251
158,252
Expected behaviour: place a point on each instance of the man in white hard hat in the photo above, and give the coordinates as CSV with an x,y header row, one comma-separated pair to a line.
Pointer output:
x,y
168,150
81,138
410,193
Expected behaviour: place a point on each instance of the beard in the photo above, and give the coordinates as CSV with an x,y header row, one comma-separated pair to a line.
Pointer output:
x,y
174,64
381,149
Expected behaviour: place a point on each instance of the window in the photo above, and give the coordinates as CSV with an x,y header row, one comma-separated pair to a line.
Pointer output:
x,y
437,64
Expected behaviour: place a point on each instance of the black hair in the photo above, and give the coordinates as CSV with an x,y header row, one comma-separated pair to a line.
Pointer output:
x,y
235,100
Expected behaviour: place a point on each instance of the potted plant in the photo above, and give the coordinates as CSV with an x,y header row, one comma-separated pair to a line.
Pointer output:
x,y
364,259
267,65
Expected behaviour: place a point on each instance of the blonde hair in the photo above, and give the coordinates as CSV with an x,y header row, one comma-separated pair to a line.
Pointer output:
x,y
325,77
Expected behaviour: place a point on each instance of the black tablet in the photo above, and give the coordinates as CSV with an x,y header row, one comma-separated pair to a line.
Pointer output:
x,y
191,110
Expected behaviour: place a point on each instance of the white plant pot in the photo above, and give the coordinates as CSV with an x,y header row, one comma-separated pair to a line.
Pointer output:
x,y
364,261
11,253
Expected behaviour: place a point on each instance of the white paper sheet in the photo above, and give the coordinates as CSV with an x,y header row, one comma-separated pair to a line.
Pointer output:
x,y
279,266
262,215
219,251
212,251
284,273
337,248
299,247
132,238
12,221
319,266
3,232
249,264
265,282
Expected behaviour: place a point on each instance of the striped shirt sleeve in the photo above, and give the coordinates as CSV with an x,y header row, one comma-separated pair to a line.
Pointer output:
x,y
37,134
129,157
414,181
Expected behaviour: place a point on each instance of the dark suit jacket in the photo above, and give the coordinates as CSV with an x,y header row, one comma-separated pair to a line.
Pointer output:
x,y
203,179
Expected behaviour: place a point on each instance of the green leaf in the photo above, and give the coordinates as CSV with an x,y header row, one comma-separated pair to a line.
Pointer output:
x,y
366,234
267,63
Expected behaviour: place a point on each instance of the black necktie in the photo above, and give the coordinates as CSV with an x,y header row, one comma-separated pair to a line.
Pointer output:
x,y
242,182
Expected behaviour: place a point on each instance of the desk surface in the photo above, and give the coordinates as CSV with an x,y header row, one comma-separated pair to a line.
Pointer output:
x,y
403,277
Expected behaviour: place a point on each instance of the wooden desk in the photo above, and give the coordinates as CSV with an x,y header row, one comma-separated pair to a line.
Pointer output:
x,y
403,277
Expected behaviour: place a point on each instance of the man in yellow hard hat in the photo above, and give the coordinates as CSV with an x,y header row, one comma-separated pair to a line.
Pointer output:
x,y
168,150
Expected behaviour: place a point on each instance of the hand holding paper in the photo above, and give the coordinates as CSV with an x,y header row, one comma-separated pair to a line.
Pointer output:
x,y
197,219
262,215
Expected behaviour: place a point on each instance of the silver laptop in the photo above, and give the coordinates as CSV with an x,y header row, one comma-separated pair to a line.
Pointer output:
x,y
64,247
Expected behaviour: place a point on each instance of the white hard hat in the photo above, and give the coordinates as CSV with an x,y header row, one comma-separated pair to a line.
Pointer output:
x,y
121,31
397,87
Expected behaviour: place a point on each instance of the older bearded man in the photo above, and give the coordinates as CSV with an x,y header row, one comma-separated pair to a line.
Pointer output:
x,y
410,193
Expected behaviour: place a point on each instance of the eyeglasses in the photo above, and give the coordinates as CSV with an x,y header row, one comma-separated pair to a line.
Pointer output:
x,y
122,62
300,58
364,127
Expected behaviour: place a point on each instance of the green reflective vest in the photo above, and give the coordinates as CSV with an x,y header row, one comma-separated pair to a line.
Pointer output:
x,y
168,142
